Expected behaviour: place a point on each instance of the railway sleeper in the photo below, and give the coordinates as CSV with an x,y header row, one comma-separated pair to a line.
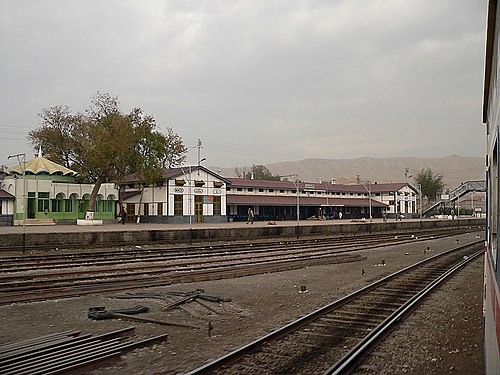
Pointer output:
x,y
337,336
375,306
351,323
348,314
62,355
401,290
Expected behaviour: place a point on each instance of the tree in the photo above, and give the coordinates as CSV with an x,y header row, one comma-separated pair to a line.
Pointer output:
x,y
104,144
431,184
256,172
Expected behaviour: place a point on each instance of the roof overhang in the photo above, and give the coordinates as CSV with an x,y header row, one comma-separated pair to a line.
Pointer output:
x,y
488,61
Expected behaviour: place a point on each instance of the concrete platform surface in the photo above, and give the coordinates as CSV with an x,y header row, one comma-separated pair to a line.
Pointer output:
x,y
115,227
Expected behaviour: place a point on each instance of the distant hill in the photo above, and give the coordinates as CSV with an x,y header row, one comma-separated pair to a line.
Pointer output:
x,y
454,169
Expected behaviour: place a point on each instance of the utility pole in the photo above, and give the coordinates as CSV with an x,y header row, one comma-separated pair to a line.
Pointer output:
x,y
296,185
24,194
199,146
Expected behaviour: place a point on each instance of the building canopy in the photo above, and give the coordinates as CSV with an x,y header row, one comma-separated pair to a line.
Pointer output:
x,y
40,165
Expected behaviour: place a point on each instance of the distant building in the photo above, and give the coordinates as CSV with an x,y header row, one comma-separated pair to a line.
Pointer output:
x,y
277,200
52,194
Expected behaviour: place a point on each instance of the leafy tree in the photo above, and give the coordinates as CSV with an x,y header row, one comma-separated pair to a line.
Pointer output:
x,y
104,144
257,172
432,184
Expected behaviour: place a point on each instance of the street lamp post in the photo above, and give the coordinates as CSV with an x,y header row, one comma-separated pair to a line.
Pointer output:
x,y
408,203
369,190
420,201
296,185
189,201
24,193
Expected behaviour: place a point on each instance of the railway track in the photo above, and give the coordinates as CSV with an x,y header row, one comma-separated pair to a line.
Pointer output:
x,y
31,278
334,338
191,253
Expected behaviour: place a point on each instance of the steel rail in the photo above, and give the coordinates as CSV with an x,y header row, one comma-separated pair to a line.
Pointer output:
x,y
223,257
230,244
350,361
295,325
117,257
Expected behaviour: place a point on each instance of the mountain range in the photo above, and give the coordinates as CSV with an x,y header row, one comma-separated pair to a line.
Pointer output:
x,y
455,169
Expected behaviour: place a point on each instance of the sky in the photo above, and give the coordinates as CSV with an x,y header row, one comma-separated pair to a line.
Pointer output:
x,y
257,82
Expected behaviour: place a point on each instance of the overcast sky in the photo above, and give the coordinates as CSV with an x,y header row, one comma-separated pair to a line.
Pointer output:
x,y
257,81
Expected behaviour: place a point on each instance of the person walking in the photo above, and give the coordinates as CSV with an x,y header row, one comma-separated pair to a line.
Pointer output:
x,y
250,215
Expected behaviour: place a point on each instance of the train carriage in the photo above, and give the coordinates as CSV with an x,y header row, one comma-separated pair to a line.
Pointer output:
x,y
491,117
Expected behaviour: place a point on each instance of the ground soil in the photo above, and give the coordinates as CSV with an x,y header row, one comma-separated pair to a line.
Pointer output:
x,y
264,302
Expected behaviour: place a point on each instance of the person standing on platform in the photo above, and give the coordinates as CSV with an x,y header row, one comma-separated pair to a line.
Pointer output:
x,y
123,215
250,215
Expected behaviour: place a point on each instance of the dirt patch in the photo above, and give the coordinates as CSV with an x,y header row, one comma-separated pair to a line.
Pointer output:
x,y
259,304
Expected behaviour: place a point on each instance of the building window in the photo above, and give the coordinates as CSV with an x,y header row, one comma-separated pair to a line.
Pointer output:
x,y
146,209
109,205
261,190
282,191
250,190
180,182
98,204
239,189
71,203
57,204
43,202
160,209
271,190
228,189
178,209
217,206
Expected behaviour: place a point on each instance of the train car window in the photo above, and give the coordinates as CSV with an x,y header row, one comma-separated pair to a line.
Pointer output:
x,y
494,204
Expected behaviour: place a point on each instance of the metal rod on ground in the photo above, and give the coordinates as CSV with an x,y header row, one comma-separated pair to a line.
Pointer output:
x,y
181,301
147,320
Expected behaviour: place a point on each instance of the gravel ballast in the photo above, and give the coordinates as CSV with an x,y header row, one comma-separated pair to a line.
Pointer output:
x,y
428,342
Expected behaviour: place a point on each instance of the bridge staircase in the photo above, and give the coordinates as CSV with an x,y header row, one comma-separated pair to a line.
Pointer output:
x,y
456,194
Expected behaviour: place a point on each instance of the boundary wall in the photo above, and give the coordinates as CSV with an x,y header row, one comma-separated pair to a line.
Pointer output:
x,y
83,239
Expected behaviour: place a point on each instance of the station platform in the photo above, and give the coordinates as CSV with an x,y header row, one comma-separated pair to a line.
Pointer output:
x,y
60,236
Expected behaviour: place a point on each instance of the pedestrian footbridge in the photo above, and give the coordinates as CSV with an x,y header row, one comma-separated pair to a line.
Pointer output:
x,y
457,193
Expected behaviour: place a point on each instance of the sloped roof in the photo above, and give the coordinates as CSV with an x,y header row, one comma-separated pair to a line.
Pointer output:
x,y
264,200
6,195
169,173
40,165
315,186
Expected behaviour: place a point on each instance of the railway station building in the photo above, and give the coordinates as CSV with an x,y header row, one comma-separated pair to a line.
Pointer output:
x,y
52,195
188,194
191,194
278,200
196,194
